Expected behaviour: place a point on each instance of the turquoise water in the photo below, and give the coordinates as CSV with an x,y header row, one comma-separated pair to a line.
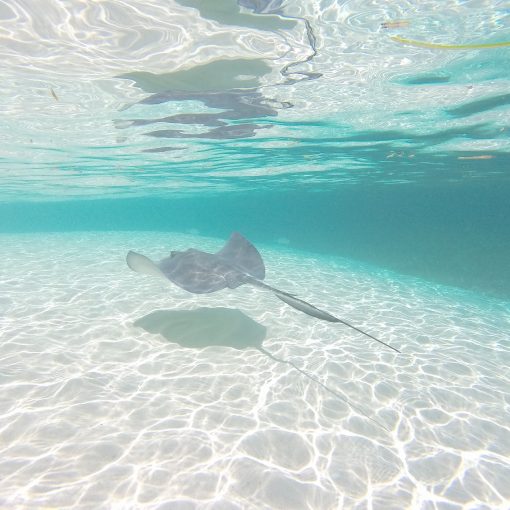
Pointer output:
x,y
450,233
364,156
371,148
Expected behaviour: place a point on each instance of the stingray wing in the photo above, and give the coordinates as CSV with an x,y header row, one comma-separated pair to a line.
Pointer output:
x,y
242,255
200,272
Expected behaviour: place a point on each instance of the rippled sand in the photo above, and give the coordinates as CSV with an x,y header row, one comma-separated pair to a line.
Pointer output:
x,y
98,413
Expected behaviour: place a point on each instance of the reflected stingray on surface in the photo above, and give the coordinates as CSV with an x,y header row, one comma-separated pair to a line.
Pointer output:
x,y
205,327
233,85
230,105
237,263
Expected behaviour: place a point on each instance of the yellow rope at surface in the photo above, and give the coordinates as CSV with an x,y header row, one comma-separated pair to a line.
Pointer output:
x,y
423,44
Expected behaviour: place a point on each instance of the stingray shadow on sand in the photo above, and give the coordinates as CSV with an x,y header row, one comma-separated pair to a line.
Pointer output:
x,y
206,327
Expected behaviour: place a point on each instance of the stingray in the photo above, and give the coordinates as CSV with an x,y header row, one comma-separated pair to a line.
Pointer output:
x,y
237,263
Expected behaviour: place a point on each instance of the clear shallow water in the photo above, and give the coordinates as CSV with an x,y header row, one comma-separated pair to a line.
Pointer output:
x,y
371,172
100,412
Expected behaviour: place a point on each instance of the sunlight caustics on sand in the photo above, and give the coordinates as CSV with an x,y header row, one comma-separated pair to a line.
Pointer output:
x,y
99,413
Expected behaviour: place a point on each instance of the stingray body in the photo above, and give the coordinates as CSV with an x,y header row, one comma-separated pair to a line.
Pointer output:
x,y
237,263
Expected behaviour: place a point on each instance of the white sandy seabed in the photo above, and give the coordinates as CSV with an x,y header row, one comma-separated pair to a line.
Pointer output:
x,y
98,413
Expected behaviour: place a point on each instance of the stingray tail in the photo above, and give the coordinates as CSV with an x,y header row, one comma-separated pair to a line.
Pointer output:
x,y
313,311
368,335
322,385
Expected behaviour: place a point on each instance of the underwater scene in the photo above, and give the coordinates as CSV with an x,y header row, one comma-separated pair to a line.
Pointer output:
x,y
255,254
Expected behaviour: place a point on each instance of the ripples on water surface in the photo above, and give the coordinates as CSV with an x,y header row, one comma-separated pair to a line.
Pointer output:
x,y
314,125
126,98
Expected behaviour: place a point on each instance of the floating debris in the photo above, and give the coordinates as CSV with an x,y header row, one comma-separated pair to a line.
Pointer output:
x,y
400,154
424,44
481,156
398,23
54,95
